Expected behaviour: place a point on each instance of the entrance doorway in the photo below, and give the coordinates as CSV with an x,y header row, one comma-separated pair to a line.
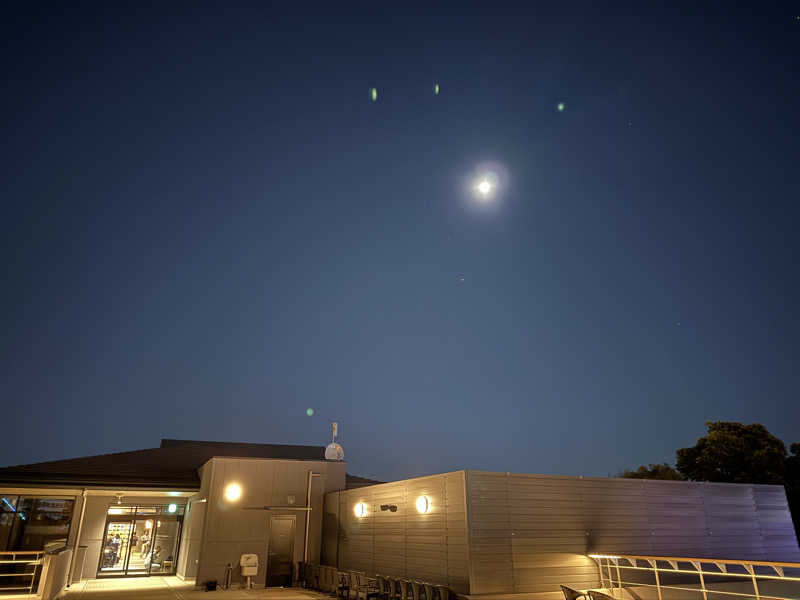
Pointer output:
x,y
140,540
280,552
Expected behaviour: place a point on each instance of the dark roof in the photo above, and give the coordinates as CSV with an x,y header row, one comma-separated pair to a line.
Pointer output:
x,y
173,465
354,481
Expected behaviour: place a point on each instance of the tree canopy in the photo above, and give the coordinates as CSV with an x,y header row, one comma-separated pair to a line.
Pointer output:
x,y
734,453
653,471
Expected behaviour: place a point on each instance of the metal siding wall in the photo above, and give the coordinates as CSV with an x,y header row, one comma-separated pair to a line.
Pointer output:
x,y
430,547
777,531
530,533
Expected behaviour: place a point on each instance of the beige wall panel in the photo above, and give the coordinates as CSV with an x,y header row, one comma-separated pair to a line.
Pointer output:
x,y
231,531
404,543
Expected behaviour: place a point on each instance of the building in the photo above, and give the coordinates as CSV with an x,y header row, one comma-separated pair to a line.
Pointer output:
x,y
186,508
191,508
484,533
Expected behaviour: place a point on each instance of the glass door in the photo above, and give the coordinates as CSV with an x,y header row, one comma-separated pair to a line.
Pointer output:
x,y
141,542
165,546
116,545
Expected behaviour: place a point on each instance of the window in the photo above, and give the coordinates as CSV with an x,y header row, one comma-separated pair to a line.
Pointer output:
x,y
31,523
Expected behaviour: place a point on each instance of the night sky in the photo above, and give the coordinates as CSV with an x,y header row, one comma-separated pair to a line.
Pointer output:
x,y
208,227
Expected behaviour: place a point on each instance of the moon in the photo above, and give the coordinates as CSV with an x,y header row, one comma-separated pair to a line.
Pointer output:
x,y
484,187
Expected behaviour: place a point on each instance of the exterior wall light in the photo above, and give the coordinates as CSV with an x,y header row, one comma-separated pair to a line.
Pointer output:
x,y
233,491
360,510
172,508
423,504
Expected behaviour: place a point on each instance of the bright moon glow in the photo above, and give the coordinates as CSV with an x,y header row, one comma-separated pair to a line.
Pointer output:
x,y
487,184
233,492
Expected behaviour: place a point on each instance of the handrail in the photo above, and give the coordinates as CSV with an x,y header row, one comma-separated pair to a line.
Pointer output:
x,y
613,565
727,561
35,559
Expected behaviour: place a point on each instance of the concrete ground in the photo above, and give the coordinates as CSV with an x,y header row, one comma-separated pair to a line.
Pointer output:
x,y
172,588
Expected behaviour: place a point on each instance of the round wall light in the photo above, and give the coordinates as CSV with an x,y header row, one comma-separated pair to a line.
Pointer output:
x,y
360,510
423,504
233,491
172,508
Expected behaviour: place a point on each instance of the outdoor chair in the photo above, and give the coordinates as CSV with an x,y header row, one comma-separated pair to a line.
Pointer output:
x,y
405,592
416,588
343,586
395,593
366,587
306,575
316,577
383,586
444,592
570,594
428,591
594,595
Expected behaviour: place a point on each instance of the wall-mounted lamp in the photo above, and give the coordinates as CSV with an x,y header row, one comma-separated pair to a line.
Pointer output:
x,y
360,510
233,491
423,504
390,507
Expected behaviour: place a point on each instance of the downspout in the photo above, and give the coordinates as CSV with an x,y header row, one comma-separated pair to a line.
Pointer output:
x,y
311,475
77,537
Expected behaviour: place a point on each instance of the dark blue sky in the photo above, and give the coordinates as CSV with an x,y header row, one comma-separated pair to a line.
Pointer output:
x,y
208,227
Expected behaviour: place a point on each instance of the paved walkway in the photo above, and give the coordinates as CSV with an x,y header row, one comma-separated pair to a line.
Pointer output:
x,y
172,588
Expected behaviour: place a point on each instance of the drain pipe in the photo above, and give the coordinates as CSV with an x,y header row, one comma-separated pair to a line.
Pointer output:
x,y
77,537
311,475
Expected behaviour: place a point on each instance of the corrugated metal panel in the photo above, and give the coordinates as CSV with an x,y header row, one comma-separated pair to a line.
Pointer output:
x,y
431,547
530,533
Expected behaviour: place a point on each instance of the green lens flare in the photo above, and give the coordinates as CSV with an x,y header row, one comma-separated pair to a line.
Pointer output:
x,y
310,412
560,106
436,89
373,94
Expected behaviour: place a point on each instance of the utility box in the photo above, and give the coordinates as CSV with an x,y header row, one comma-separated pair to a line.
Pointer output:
x,y
249,565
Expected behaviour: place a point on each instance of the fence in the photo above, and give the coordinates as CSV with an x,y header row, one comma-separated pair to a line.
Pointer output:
x,y
683,578
19,570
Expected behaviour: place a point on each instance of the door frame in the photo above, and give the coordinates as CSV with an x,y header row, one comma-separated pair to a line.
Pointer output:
x,y
132,518
293,519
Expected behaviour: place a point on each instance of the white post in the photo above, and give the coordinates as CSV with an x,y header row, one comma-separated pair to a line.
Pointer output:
x,y
699,568
654,564
77,538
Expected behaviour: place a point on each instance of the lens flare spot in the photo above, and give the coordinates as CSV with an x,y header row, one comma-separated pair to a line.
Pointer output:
x,y
310,412
373,94
561,106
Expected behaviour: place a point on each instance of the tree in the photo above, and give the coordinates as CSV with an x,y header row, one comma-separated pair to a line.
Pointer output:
x,y
660,471
734,453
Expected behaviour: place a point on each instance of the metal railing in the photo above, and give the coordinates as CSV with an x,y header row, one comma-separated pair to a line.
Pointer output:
x,y
18,570
680,577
